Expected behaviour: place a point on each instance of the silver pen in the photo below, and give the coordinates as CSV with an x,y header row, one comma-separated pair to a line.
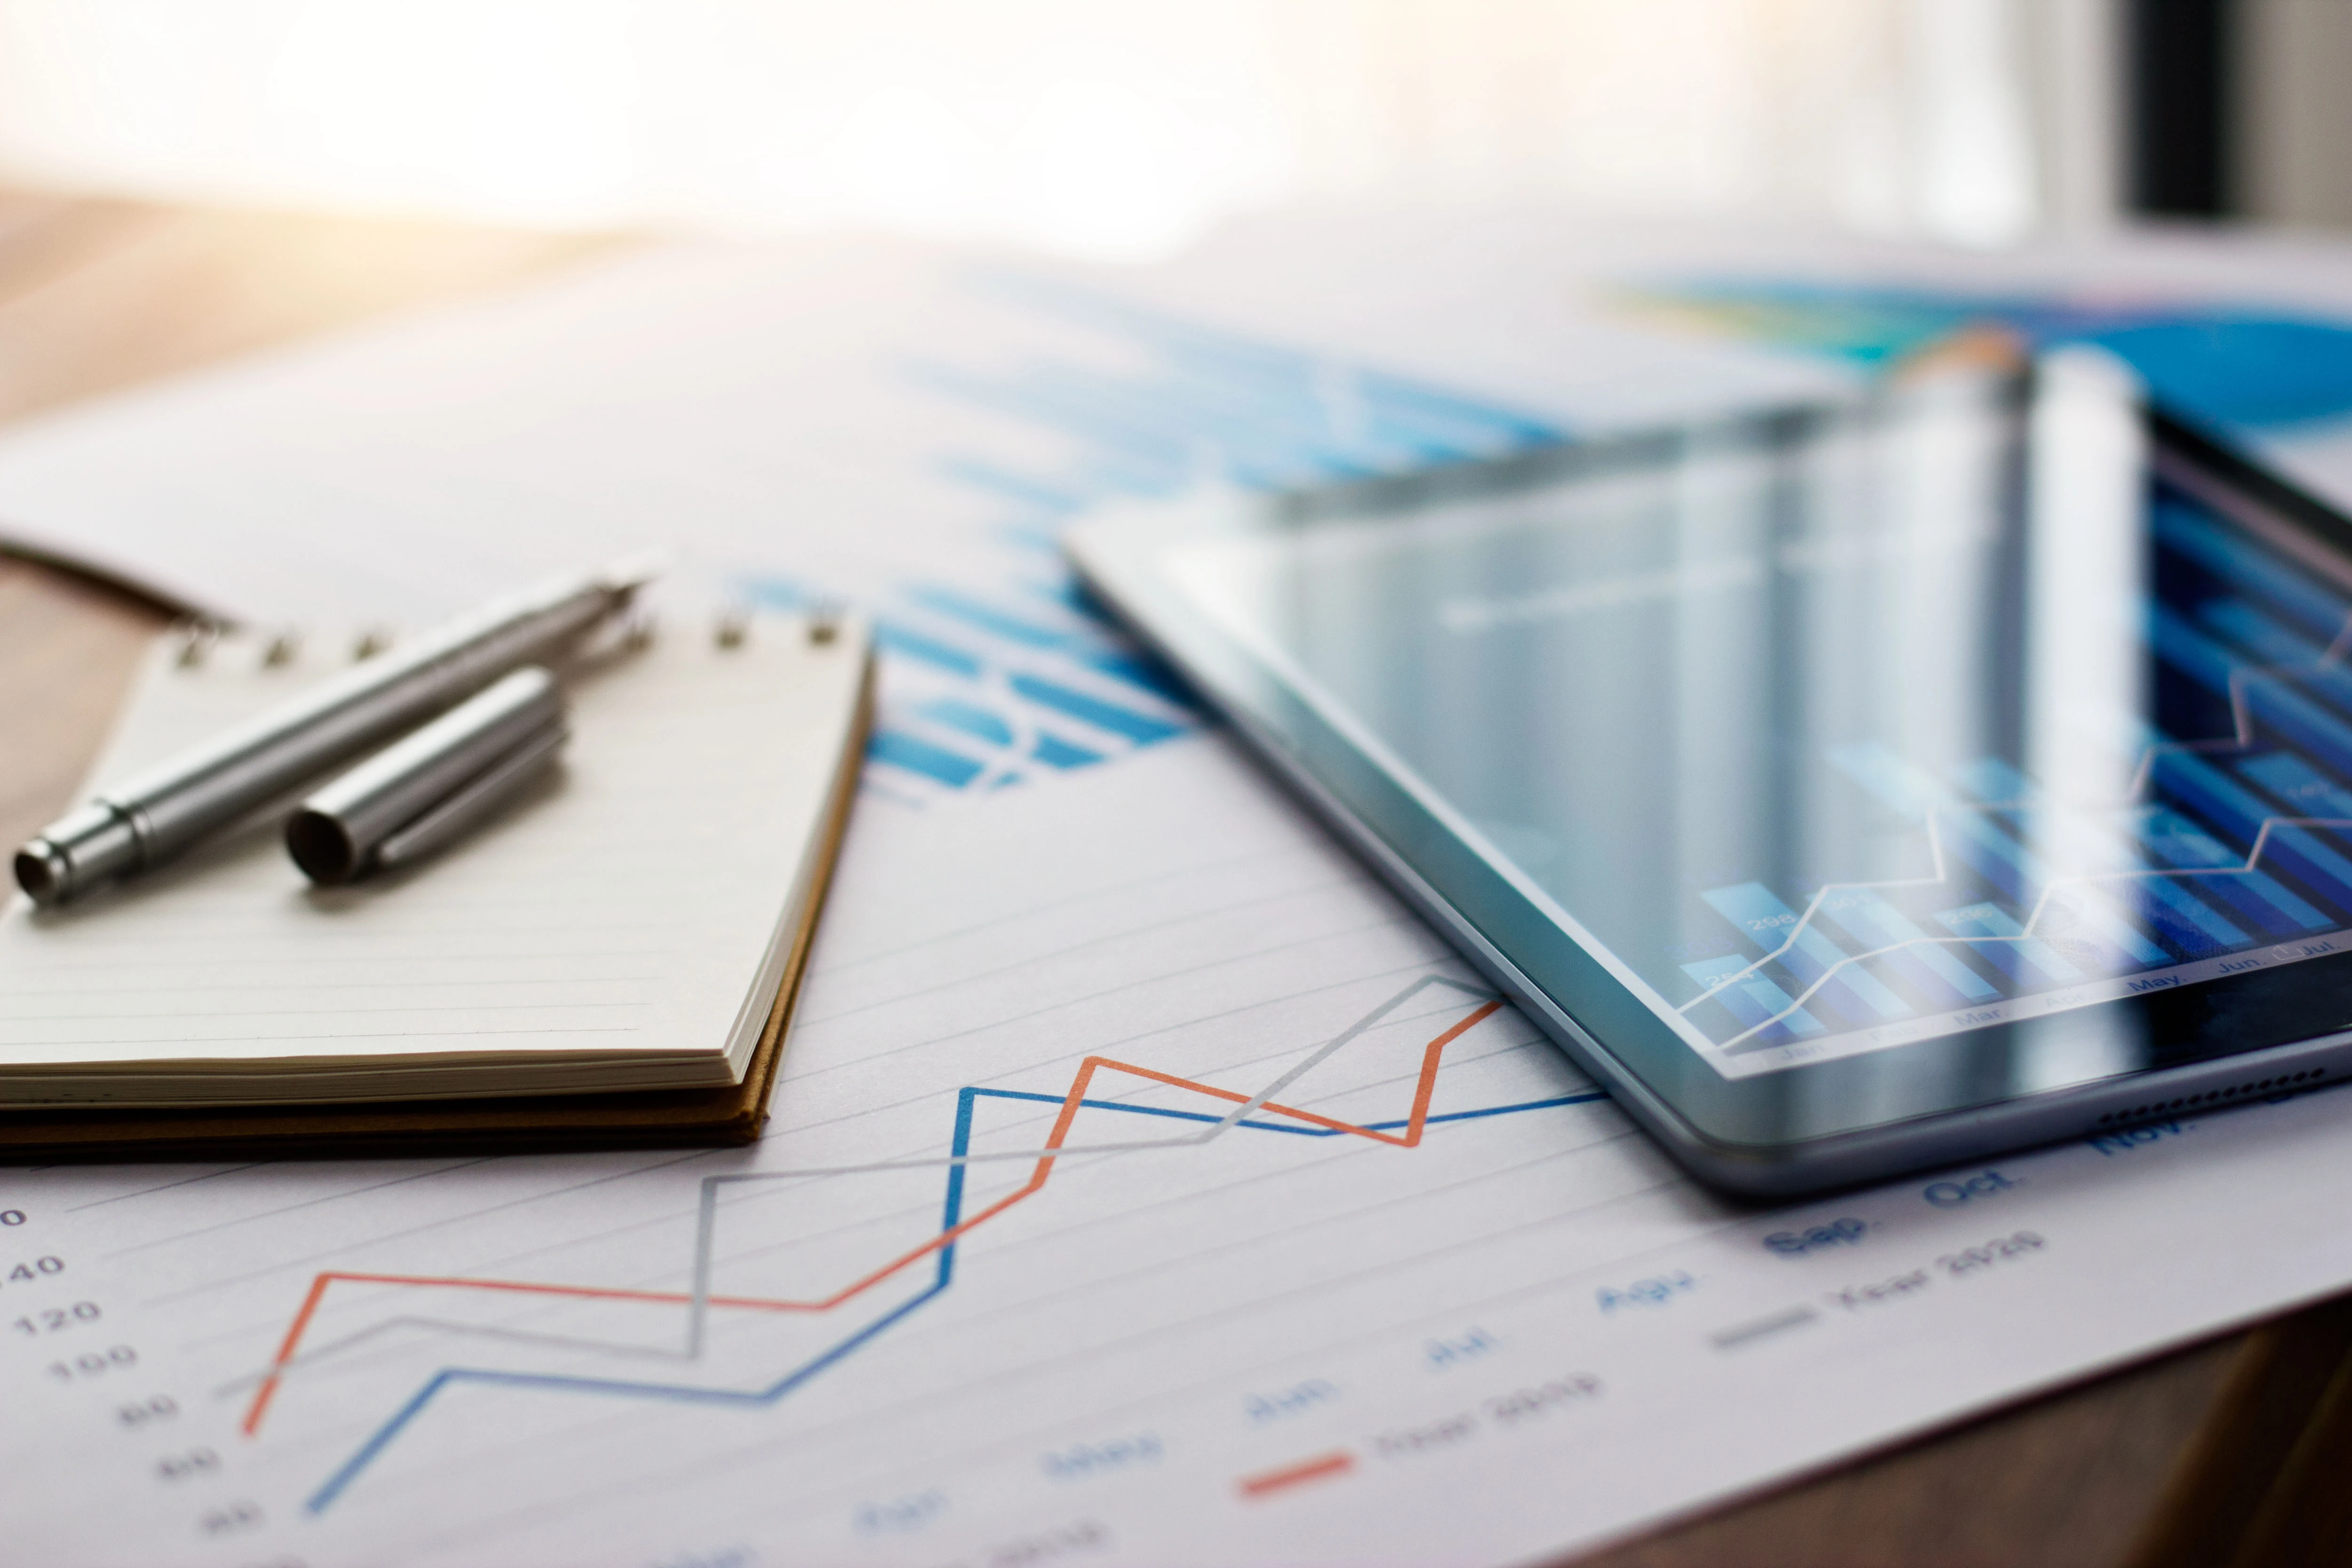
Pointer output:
x,y
172,808
424,793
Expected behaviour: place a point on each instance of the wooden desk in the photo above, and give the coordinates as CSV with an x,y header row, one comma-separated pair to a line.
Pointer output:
x,y
2229,1453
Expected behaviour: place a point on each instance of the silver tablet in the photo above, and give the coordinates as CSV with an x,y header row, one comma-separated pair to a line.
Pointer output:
x,y
1850,789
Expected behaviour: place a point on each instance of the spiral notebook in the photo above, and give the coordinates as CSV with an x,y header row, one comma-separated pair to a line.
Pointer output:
x,y
613,960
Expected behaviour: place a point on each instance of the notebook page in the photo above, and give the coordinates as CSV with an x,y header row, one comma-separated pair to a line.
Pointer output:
x,y
619,928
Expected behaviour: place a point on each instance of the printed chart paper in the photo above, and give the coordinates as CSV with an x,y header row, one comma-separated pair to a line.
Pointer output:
x,y
1137,1192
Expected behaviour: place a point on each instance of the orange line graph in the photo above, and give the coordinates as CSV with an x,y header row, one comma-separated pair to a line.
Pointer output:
x,y
1339,1462
1410,1137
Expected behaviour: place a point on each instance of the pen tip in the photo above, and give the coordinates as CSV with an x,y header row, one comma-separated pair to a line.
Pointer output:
x,y
631,572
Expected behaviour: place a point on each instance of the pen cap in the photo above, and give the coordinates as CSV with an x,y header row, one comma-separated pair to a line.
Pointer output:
x,y
420,792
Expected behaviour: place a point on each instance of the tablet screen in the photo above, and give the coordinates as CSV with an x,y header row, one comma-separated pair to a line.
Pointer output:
x,y
1855,730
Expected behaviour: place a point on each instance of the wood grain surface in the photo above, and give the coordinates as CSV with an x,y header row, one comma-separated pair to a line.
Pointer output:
x,y
2232,1454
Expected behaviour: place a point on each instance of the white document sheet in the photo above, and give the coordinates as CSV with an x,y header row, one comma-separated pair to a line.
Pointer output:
x,y
1146,1188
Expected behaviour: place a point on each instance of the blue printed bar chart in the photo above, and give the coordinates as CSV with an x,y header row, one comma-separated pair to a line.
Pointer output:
x,y
983,688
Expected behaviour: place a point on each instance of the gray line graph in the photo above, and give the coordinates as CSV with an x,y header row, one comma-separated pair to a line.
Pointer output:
x,y
692,1340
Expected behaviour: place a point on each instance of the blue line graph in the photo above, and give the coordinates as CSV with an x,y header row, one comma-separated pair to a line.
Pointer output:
x,y
953,1219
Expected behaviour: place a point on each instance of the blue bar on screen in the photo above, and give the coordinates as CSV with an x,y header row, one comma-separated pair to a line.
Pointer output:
x,y
1967,833
2171,839
1979,840
1874,922
2274,647
1993,854
2302,786
2239,811
1760,915
2268,700
2029,960
2102,923
2245,565
1756,1000
2176,913
2191,924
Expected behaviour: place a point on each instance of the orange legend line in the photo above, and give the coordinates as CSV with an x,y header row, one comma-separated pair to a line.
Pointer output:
x,y
1321,1468
1071,1104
